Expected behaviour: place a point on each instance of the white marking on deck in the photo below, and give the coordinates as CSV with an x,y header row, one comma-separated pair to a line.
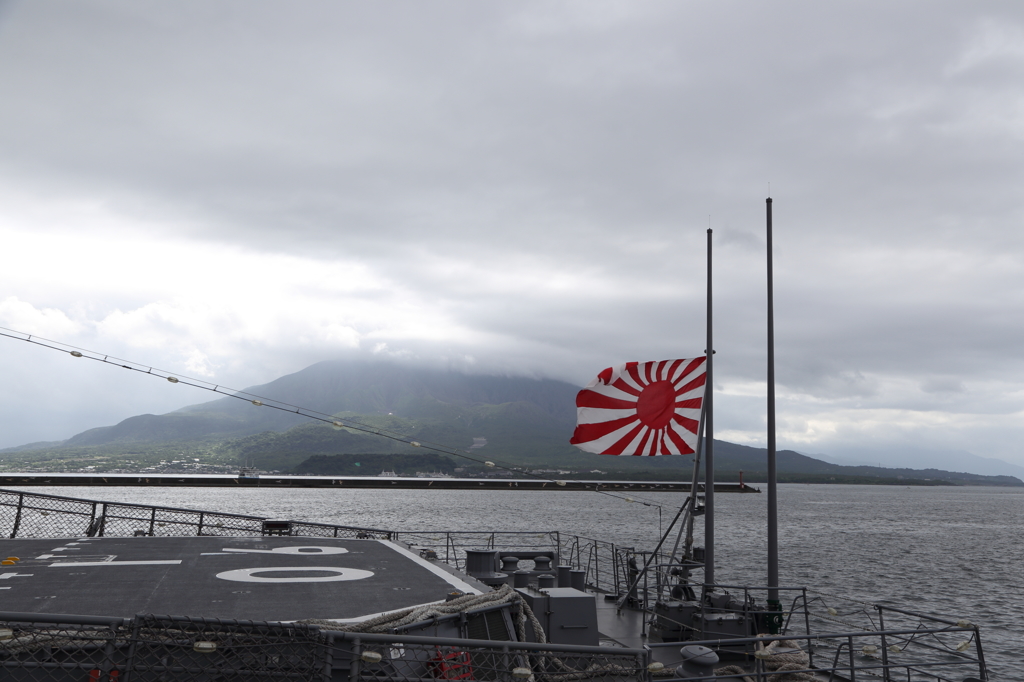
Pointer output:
x,y
248,575
440,572
5,576
291,550
116,563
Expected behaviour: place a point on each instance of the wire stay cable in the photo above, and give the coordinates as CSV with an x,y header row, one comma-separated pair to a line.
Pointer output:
x,y
262,401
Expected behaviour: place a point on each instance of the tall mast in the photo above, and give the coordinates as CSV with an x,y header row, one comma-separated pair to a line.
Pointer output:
x,y
709,448
773,518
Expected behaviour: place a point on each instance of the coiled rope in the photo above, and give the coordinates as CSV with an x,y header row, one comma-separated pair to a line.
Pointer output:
x,y
503,595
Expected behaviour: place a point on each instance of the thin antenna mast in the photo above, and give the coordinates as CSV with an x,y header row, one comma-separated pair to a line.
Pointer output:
x,y
773,517
709,448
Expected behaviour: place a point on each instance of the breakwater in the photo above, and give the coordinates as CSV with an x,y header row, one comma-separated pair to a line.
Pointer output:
x,y
354,482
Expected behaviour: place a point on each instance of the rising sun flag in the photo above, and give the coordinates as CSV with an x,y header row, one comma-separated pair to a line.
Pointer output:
x,y
642,408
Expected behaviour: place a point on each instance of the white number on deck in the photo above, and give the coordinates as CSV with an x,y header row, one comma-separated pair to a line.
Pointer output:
x,y
249,575
313,550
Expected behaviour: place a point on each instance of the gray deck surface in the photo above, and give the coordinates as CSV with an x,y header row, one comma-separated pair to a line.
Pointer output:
x,y
622,627
331,578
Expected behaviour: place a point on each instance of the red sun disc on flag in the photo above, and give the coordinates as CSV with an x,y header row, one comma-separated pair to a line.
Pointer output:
x,y
650,408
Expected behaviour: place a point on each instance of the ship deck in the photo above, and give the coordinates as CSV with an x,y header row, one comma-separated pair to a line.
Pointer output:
x,y
243,578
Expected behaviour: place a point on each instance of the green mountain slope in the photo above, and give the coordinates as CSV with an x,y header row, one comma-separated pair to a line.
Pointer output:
x,y
516,421
373,388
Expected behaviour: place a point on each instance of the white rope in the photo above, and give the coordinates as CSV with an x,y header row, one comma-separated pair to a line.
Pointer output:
x,y
503,595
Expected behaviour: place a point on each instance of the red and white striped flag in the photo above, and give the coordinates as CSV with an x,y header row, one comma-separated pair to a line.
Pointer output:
x,y
650,408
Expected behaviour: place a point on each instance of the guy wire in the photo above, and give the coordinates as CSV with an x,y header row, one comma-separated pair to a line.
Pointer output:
x,y
260,401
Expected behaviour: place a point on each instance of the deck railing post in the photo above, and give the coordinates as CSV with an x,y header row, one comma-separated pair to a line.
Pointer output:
x,y
152,521
853,662
328,646
17,516
357,651
982,668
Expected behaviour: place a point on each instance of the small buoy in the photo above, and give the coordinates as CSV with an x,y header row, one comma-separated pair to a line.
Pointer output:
x,y
656,666
204,647
338,426
257,403
75,354
489,464
370,657
521,673
964,645
964,624
13,558
895,649
832,611
561,483
869,649
173,380
414,444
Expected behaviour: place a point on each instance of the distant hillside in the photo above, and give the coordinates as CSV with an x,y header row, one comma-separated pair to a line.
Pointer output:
x,y
515,420
361,387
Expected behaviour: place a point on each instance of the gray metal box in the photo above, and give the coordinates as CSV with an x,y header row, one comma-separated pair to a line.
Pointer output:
x,y
568,616
725,625
675,618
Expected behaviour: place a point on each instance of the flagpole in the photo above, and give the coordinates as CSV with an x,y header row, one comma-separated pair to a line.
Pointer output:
x,y
691,500
773,520
709,447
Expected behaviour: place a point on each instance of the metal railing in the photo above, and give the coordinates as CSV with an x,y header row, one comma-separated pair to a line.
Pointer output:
x,y
147,647
937,653
601,560
35,515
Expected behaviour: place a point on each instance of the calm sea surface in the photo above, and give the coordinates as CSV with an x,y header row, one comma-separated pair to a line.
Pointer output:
x,y
956,552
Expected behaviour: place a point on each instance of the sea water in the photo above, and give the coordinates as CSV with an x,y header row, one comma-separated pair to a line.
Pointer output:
x,y
950,551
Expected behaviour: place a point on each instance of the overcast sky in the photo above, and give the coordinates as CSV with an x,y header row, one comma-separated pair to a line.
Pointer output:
x,y
235,190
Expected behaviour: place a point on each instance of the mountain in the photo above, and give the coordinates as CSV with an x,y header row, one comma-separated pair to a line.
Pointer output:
x,y
911,457
368,388
515,420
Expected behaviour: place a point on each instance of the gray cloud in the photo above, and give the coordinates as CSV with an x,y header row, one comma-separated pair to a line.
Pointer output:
x,y
528,185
